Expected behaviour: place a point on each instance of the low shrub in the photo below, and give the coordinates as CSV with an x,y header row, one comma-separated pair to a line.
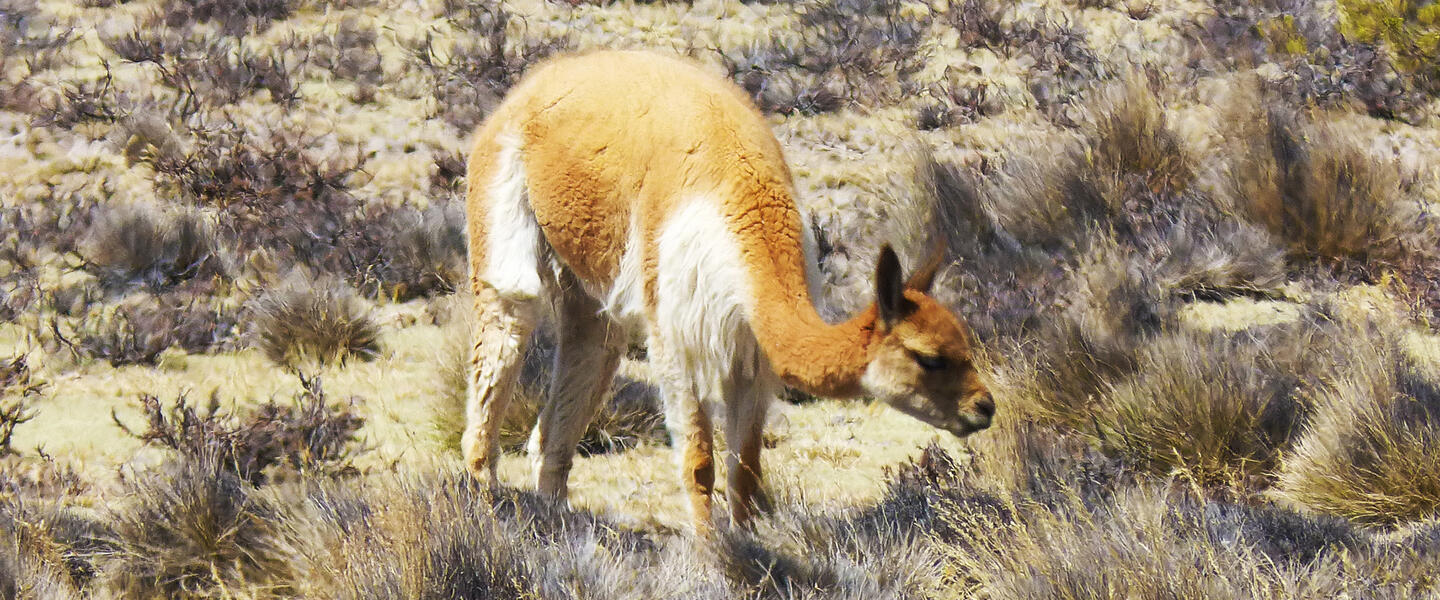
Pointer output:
x,y
223,72
306,320
281,189
1318,60
473,77
350,52
233,18
16,391
138,331
843,53
412,253
1408,29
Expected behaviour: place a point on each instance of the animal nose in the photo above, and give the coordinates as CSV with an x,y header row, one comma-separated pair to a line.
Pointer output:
x,y
985,405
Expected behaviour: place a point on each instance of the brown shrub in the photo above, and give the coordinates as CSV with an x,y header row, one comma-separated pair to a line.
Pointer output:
x,y
16,390
142,246
234,18
410,253
139,330
309,434
279,189
848,53
485,62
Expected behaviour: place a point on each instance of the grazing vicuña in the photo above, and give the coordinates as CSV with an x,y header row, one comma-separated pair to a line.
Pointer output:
x,y
637,192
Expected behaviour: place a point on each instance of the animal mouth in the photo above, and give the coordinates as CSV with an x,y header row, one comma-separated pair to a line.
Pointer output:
x,y
969,424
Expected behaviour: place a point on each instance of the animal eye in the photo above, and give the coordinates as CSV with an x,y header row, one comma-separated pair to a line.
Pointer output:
x,y
930,362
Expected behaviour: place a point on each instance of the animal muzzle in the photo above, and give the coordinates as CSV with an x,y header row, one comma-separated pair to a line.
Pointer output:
x,y
980,415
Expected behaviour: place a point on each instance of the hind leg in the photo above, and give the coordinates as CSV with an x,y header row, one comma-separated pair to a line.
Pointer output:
x,y
691,432
502,329
744,426
587,355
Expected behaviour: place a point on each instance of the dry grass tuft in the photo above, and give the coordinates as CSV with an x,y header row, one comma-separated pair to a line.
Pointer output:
x,y
1320,193
440,536
1201,259
1218,407
1366,454
321,321
30,562
192,528
1115,309
1129,135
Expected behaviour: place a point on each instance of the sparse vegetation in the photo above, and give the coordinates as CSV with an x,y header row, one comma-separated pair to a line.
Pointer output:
x,y
1195,244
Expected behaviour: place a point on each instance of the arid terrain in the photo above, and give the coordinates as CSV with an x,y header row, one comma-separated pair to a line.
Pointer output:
x,y
1197,243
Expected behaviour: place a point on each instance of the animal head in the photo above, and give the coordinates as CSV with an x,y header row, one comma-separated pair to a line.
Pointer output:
x,y
921,364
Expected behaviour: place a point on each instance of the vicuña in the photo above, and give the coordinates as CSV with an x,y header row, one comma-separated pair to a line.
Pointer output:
x,y
633,192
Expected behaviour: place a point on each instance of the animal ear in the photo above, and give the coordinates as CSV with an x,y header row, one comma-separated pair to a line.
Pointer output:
x,y
889,288
923,279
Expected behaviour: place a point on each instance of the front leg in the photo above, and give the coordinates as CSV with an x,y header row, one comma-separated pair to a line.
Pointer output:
x,y
502,331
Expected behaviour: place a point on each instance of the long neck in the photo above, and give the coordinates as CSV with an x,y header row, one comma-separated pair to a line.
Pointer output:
x,y
810,354
804,350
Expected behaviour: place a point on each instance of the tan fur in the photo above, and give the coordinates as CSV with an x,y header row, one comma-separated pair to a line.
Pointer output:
x,y
612,145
